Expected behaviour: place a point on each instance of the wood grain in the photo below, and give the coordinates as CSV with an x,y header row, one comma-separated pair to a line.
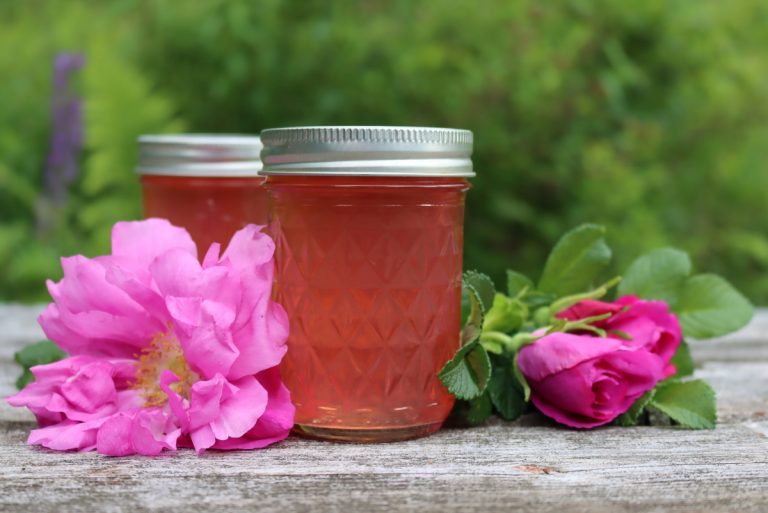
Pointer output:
x,y
529,465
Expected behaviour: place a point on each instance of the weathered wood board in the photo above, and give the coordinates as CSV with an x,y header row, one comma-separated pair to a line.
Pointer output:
x,y
529,465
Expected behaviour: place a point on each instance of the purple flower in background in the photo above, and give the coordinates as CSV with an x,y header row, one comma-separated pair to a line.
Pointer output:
x,y
67,129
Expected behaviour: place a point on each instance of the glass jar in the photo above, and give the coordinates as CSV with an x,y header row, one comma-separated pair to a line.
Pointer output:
x,y
208,184
368,225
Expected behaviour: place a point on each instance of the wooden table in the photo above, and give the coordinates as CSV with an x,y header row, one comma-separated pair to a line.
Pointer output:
x,y
529,465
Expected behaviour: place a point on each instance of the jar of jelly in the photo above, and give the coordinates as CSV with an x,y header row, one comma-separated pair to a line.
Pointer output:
x,y
208,184
368,225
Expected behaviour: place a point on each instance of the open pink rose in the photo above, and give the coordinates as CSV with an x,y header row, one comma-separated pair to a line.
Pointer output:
x,y
585,381
166,350
649,324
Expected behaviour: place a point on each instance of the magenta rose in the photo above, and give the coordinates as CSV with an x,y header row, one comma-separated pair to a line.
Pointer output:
x,y
647,324
585,381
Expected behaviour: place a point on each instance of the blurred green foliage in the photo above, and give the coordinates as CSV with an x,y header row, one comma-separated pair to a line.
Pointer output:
x,y
649,117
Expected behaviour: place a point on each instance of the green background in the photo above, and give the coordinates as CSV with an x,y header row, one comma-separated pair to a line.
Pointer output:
x,y
649,117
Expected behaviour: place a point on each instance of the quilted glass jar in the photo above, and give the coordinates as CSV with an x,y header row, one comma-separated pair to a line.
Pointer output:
x,y
368,224
208,184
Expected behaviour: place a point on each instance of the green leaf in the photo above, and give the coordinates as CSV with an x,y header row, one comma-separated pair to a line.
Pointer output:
x,y
480,291
575,261
682,360
39,353
25,379
505,315
466,375
483,286
708,306
691,404
466,306
632,416
517,283
537,299
659,274
479,410
506,393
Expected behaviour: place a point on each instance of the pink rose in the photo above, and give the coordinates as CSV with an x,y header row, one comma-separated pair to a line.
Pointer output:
x,y
166,349
585,381
649,324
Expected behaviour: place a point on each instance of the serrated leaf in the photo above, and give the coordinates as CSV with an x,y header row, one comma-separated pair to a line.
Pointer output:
x,y
474,324
467,374
517,282
483,286
39,353
575,261
506,393
659,274
691,404
682,360
479,410
505,315
632,416
480,291
466,306
708,306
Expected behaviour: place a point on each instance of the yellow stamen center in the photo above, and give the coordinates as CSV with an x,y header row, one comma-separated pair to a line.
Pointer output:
x,y
163,353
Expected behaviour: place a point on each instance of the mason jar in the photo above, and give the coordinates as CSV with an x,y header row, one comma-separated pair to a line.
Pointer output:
x,y
368,225
208,184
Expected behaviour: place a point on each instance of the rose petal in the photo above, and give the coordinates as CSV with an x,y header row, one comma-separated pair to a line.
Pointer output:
x,y
556,352
114,436
274,424
262,341
143,241
220,410
67,435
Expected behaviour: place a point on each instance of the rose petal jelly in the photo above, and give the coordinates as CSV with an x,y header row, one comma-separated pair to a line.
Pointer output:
x,y
368,224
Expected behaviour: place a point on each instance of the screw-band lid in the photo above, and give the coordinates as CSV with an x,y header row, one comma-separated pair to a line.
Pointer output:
x,y
208,155
367,151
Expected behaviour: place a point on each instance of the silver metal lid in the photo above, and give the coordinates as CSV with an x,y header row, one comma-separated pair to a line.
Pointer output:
x,y
199,155
367,151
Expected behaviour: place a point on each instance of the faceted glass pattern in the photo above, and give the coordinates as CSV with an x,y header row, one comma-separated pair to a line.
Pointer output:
x,y
369,271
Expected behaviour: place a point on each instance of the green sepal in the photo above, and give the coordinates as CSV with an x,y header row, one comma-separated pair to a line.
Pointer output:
x,y
518,374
